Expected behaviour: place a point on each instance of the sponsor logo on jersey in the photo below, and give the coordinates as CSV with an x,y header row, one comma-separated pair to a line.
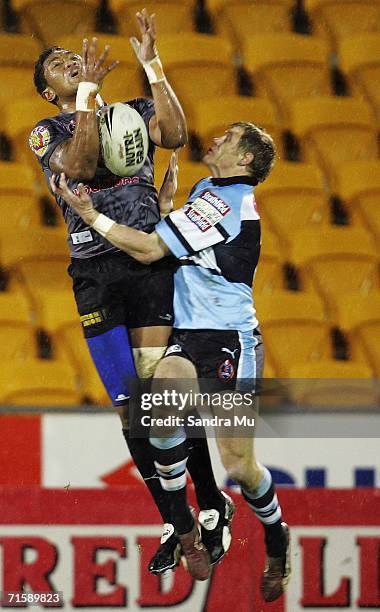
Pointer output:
x,y
226,371
39,140
206,210
80,237
92,318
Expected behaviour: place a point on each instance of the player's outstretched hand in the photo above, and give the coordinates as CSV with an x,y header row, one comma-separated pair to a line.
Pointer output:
x,y
169,186
94,70
146,49
81,203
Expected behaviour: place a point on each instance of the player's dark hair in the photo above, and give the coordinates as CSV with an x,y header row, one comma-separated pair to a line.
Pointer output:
x,y
39,75
257,141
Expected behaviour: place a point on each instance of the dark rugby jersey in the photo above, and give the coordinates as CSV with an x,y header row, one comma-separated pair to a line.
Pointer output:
x,y
131,200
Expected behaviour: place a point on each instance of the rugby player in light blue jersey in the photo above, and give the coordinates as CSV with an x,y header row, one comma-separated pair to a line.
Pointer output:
x,y
216,238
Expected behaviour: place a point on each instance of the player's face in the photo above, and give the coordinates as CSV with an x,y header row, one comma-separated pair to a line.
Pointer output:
x,y
62,71
224,152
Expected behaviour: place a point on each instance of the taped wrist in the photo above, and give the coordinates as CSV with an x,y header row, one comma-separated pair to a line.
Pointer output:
x,y
154,70
102,224
86,96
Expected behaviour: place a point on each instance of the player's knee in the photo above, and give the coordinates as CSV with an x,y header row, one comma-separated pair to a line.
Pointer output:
x,y
146,360
242,469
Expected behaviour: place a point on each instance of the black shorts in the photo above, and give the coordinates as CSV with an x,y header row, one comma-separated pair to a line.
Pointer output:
x,y
230,358
113,289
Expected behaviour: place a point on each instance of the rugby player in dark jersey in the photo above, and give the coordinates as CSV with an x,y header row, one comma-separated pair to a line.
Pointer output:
x,y
120,301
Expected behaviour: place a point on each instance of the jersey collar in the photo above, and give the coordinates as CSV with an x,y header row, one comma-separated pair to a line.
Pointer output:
x,y
233,180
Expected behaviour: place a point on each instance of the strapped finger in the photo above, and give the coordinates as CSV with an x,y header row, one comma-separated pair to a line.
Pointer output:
x,y
92,51
153,25
85,52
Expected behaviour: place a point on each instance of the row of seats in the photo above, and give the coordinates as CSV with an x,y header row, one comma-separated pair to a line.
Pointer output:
x,y
237,19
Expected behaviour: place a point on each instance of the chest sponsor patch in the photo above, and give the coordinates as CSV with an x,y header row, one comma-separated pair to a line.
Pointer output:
x,y
39,140
207,210
80,237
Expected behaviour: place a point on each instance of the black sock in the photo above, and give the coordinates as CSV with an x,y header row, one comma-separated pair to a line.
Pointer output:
x,y
141,452
265,505
170,464
200,470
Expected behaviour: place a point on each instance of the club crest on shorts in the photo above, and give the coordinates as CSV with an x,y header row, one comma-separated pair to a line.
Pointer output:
x,y
226,370
39,140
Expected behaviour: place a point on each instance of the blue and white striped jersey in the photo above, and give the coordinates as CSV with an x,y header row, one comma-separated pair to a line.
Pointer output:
x,y
216,237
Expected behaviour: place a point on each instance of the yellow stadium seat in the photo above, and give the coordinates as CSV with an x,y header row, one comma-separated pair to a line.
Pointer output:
x,y
293,198
330,383
239,19
333,130
358,184
211,117
268,275
171,16
286,67
38,382
337,260
198,66
294,328
125,82
359,57
17,335
335,19
359,316
51,21
19,207
18,53
71,345
34,244
49,290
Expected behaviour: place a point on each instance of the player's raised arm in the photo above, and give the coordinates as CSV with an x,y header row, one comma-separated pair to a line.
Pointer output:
x,y
169,186
167,127
143,247
78,156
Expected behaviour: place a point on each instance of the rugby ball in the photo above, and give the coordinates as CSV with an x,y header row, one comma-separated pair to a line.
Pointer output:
x,y
123,138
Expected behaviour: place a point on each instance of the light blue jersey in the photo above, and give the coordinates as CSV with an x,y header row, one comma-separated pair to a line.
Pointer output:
x,y
216,237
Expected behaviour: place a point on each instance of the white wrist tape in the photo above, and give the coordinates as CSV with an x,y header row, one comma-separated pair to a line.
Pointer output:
x,y
85,89
154,70
102,224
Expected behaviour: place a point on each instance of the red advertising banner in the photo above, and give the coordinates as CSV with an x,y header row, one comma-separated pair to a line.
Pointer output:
x,y
94,546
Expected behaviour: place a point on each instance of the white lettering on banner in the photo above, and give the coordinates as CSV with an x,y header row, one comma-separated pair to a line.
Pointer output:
x,y
207,210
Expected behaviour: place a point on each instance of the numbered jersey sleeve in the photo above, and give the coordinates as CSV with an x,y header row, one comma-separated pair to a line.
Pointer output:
x,y
45,137
208,220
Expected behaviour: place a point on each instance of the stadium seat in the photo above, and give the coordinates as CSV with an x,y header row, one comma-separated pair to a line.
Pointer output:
x,y
337,260
294,328
125,82
268,275
358,184
331,383
206,72
18,53
20,117
17,334
49,22
49,290
359,57
359,316
19,208
31,245
334,130
171,16
211,117
285,67
71,346
38,382
239,19
335,19
293,198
